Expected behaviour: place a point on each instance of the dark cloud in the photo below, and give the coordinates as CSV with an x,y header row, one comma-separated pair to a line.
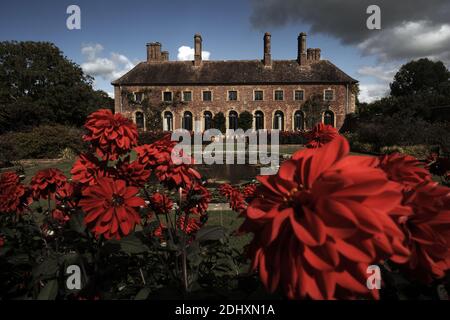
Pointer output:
x,y
346,19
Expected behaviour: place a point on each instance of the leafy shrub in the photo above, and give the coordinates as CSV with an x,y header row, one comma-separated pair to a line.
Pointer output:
x,y
418,151
40,142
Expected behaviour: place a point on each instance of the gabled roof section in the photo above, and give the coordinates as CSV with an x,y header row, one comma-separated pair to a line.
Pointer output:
x,y
233,73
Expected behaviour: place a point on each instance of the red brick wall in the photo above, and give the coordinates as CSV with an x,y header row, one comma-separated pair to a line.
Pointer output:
x,y
245,101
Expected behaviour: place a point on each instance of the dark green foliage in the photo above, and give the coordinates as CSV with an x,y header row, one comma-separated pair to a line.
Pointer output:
x,y
38,85
421,75
219,122
245,121
41,142
314,107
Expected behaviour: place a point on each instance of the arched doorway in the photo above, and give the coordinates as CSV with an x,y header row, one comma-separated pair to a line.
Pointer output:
x,y
168,121
299,120
278,120
259,120
328,118
233,120
187,120
140,120
207,116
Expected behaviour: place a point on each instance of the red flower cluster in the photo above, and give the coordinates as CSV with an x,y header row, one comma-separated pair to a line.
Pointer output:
x,y
134,173
160,203
321,221
110,134
235,197
158,157
424,217
14,197
320,135
87,169
47,182
404,169
189,226
110,208
197,199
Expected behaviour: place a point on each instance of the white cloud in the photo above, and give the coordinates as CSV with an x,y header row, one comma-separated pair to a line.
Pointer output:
x,y
187,53
108,68
371,92
409,40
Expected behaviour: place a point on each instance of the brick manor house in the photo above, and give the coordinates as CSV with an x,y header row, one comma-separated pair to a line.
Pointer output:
x,y
273,91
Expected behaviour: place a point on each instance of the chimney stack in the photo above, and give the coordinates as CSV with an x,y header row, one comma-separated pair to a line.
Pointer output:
x,y
153,52
301,54
310,54
317,54
165,56
198,50
267,60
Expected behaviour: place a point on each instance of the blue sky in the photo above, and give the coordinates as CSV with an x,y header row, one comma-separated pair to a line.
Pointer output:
x,y
114,33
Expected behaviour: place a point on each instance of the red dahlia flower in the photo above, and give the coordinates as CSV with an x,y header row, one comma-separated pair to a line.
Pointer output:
x,y
197,199
428,231
110,208
60,216
14,197
160,203
190,226
87,169
110,134
404,169
46,183
158,156
226,190
134,173
320,135
249,191
321,221
159,232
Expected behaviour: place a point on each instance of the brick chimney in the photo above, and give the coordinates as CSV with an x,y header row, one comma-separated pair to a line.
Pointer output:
x,y
153,52
310,54
301,52
165,56
198,50
267,60
317,54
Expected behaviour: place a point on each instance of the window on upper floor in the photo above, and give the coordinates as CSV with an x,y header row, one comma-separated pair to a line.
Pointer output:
x,y
207,95
259,95
138,96
187,96
279,95
299,95
232,95
328,95
167,96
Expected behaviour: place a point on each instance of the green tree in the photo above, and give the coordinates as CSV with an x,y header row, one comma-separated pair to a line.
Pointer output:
x,y
421,75
313,108
219,122
39,85
245,120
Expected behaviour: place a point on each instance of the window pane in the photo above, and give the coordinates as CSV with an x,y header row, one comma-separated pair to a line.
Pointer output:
x,y
138,96
167,96
258,95
232,95
278,95
299,95
206,95
329,95
187,96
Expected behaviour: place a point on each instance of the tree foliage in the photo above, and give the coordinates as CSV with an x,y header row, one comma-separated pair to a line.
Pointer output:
x,y
39,85
219,122
245,120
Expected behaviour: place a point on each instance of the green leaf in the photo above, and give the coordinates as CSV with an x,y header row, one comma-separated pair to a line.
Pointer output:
x,y
142,294
76,222
211,233
50,291
49,267
133,245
